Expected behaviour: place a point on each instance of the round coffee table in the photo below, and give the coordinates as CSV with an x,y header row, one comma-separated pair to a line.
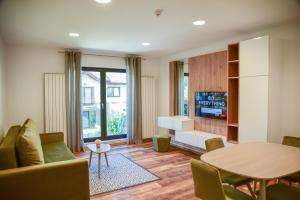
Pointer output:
x,y
104,148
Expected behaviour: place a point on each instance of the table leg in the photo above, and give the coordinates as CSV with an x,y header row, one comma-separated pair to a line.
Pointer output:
x,y
99,164
105,154
90,159
262,191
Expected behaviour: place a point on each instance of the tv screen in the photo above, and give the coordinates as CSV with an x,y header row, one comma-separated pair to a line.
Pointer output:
x,y
211,105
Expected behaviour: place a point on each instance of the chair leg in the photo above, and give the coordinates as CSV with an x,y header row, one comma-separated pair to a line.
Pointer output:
x,y
251,191
254,186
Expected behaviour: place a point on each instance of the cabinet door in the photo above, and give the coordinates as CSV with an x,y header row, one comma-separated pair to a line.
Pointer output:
x,y
254,57
253,110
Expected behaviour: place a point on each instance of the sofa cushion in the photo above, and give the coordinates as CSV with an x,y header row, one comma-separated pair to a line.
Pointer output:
x,y
56,151
8,157
29,146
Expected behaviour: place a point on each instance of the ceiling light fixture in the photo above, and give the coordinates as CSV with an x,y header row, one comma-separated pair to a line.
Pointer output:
x,y
74,34
257,38
199,22
103,1
146,44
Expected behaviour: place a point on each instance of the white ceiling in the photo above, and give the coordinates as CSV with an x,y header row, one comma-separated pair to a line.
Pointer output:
x,y
124,24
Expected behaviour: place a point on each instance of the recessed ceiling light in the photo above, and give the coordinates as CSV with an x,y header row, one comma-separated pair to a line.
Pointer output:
x,y
103,1
199,22
74,34
146,44
257,38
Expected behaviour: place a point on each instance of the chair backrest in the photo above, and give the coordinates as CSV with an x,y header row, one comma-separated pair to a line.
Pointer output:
x,y
291,141
213,144
207,181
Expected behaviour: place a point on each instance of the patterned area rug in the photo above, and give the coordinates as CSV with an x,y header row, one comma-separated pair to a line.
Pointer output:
x,y
121,173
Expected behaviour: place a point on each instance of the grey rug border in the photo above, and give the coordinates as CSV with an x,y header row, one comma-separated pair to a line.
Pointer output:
x,y
126,187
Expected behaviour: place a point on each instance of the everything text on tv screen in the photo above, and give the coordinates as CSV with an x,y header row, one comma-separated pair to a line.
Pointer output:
x,y
211,105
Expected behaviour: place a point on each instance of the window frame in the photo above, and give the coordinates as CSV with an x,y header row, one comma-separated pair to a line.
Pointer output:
x,y
84,96
103,133
113,91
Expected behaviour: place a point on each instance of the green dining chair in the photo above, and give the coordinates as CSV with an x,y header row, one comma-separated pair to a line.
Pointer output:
x,y
294,142
227,177
208,185
282,192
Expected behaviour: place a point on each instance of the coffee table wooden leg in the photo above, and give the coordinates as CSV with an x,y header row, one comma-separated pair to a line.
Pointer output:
x,y
262,191
105,154
99,164
90,159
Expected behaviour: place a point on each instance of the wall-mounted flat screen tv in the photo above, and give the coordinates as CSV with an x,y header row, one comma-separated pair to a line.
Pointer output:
x,y
211,105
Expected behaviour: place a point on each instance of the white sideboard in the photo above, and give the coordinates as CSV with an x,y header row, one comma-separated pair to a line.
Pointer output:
x,y
177,123
184,131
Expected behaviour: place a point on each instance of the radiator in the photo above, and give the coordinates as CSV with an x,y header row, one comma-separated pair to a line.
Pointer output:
x,y
54,103
149,107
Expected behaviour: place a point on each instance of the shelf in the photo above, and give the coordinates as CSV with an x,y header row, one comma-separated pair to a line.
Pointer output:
x,y
233,69
233,93
234,124
233,52
232,134
233,77
233,100
233,61
232,141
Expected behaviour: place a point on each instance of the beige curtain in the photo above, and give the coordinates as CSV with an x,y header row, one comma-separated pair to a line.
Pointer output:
x,y
134,103
177,87
73,101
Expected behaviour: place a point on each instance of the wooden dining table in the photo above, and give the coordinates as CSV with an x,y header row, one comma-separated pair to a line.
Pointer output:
x,y
259,161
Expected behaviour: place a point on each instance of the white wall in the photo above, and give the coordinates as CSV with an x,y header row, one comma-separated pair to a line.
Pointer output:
x,y
2,111
290,106
285,32
24,71
25,66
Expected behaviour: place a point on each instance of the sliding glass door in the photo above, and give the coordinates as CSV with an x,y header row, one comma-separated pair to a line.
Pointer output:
x,y
103,103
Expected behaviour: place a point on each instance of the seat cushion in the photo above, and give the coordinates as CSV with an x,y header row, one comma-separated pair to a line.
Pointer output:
x,y
233,179
29,146
234,194
8,156
282,192
56,151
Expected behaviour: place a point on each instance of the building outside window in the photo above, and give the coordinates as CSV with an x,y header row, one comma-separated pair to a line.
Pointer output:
x,y
113,91
88,95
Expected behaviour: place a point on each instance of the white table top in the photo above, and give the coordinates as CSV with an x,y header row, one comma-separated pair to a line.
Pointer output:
x,y
103,148
256,160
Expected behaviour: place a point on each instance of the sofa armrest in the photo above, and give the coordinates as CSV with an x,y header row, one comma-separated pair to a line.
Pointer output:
x,y
51,137
60,181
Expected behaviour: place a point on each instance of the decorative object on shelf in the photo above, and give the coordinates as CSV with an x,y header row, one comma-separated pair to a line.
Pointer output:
x,y
98,143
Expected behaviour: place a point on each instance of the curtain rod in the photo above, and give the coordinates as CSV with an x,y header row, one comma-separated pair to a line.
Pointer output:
x,y
102,55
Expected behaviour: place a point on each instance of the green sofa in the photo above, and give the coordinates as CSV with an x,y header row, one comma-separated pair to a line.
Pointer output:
x,y
59,176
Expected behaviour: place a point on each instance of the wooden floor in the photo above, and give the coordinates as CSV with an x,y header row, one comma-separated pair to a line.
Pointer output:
x,y
172,167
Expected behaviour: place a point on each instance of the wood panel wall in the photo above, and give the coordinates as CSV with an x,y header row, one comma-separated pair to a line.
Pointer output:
x,y
207,73
171,88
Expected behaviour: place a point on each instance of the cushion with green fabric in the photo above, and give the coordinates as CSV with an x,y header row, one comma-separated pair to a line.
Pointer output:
x,y
282,192
161,143
207,184
232,194
29,146
227,177
234,179
56,151
291,141
8,157
213,144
